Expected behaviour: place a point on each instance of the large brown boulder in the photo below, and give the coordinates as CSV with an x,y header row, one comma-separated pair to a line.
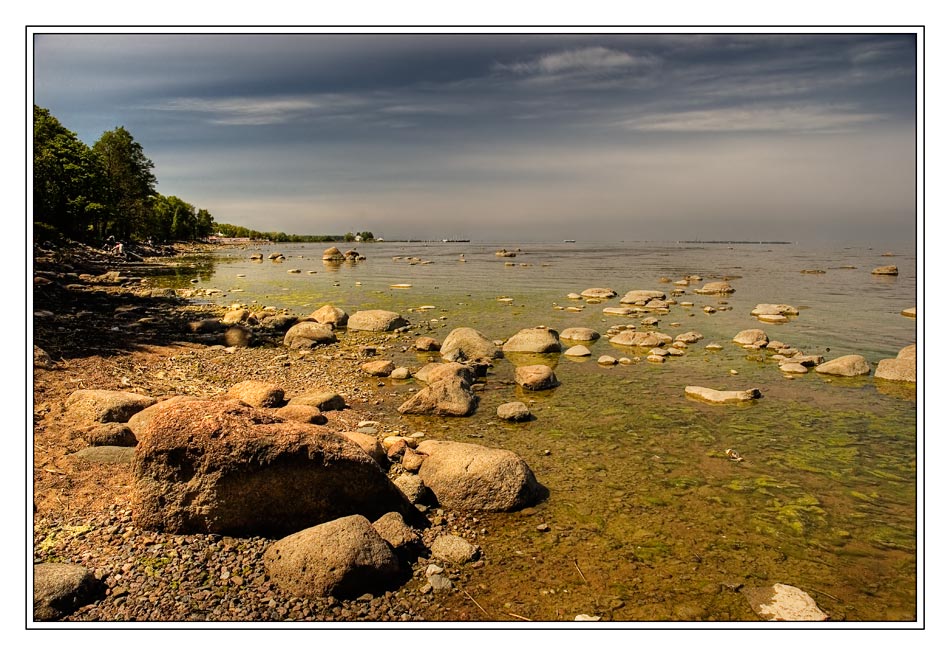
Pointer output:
x,y
471,477
104,406
219,466
533,340
376,320
309,334
465,344
138,421
344,558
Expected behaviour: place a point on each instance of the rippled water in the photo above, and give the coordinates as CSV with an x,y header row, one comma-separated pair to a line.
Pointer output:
x,y
648,519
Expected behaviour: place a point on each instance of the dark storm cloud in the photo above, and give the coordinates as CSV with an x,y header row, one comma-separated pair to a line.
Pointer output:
x,y
397,130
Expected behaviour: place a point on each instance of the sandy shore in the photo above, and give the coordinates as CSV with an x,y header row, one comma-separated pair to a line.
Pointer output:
x,y
113,335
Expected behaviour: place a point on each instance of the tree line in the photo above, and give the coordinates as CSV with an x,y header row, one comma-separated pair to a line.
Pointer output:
x,y
91,193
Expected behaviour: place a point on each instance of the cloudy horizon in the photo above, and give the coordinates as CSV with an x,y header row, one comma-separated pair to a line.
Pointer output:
x,y
531,136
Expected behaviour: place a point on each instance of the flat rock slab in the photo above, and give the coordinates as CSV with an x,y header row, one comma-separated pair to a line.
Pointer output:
x,y
782,602
107,454
722,397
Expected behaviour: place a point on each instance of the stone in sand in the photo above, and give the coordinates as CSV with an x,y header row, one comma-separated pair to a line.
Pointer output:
x,y
308,334
344,558
453,549
59,589
375,320
380,368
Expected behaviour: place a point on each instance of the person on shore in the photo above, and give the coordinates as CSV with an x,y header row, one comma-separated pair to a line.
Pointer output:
x,y
117,249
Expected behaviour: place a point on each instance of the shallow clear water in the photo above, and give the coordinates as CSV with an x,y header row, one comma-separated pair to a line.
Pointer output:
x,y
648,519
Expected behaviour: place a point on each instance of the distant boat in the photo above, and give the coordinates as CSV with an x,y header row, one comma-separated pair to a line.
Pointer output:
x,y
570,241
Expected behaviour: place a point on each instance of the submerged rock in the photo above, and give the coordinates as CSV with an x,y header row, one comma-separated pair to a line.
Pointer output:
x,y
536,377
514,411
715,288
720,397
901,369
577,351
885,270
641,296
782,602
598,292
773,309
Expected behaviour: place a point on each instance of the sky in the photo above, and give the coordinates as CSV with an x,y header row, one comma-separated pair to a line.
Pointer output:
x,y
533,136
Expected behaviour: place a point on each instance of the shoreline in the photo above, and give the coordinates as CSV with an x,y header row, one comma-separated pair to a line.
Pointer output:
x,y
81,508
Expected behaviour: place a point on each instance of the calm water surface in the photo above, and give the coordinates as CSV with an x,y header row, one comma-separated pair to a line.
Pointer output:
x,y
648,520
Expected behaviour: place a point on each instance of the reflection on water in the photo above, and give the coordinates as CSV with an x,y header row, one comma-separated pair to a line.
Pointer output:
x,y
648,519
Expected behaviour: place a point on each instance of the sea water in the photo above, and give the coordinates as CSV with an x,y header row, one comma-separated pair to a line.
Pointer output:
x,y
647,518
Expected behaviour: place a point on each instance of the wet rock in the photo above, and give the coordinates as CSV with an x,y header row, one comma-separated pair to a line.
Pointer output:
x,y
257,394
469,344
514,411
471,477
536,377
606,360
901,369
401,373
380,368
323,400
773,318
618,311
344,558
426,344
579,334
103,406
59,589
435,371
782,602
634,338
223,467
885,270
309,334
713,347
533,340
376,320
641,297
333,254
598,292
750,337
721,397
774,309
793,368
330,315
846,366
715,288
453,549
689,337
578,351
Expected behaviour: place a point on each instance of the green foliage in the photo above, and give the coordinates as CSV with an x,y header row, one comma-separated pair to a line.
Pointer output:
x,y
129,184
